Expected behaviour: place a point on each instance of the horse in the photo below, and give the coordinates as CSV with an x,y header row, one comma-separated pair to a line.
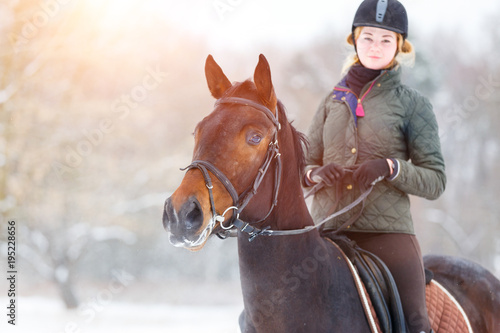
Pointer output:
x,y
246,172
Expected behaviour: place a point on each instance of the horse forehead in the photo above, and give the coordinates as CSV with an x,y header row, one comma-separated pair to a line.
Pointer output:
x,y
224,131
233,118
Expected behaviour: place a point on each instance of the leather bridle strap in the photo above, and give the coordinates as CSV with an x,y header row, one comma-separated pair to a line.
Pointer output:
x,y
203,166
255,105
272,152
240,202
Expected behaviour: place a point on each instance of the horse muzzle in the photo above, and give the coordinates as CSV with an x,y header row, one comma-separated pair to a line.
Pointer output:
x,y
185,225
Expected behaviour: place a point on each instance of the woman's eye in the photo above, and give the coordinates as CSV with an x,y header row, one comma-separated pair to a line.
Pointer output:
x,y
255,139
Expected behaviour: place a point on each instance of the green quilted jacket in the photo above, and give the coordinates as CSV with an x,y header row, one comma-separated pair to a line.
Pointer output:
x,y
399,123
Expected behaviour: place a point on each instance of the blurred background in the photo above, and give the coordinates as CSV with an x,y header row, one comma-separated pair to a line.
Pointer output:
x,y
98,100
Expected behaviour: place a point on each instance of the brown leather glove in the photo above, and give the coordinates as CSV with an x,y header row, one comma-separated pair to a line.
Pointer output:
x,y
328,174
371,172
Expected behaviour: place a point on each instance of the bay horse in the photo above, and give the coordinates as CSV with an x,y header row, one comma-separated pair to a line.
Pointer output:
x,y
246,174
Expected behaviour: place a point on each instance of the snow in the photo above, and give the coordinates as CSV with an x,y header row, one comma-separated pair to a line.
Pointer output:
x,y
39,240
61,274
114,232
138,204
46,315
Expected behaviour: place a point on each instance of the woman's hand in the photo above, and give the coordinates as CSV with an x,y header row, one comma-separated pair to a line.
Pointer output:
x,y
328,174
371,172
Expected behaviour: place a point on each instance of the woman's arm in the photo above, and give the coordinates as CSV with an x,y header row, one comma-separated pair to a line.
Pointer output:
x,y
424,174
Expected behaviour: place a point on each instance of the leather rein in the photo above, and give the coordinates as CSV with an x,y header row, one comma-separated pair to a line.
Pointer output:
x,y
241,201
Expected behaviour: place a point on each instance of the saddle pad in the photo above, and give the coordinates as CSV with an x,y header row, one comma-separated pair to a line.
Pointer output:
x,y
445,314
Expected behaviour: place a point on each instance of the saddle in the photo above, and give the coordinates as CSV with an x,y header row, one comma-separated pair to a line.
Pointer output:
x,y
378,282
383,306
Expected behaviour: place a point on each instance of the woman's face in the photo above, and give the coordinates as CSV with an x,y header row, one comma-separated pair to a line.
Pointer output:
x,y
376,47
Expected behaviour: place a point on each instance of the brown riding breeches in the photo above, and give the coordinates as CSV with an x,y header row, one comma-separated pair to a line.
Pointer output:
x,y
401,253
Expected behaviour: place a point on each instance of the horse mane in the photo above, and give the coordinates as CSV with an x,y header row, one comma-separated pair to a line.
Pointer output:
x,y
300,142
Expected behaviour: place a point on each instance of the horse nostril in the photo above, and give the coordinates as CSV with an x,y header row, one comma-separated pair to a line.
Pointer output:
x,y
194,215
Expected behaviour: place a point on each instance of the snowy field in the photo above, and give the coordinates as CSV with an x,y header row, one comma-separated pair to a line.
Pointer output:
x,y
45,315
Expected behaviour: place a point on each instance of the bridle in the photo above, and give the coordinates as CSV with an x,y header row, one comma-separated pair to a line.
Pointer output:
x,y
241,201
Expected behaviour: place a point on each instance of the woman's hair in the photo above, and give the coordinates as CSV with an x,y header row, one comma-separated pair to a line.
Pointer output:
x,y
405,54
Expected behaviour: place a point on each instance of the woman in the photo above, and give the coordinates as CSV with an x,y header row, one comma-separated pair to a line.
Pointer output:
x,y
371,129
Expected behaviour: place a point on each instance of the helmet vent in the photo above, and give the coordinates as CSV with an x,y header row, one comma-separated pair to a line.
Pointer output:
x,y
381,9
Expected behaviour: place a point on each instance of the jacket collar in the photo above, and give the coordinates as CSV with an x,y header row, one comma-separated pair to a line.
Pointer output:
x,y
388,79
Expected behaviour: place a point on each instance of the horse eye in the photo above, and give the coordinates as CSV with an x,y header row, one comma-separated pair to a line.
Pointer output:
x,y
255,139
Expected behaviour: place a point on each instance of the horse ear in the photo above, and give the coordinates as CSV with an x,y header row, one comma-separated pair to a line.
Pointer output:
x,y
264,84
217,81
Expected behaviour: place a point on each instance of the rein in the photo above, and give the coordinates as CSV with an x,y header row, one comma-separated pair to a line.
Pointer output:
x,y
241,201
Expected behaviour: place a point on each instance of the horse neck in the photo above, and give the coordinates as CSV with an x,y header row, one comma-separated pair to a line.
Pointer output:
x,y
291,211
296,281
269,270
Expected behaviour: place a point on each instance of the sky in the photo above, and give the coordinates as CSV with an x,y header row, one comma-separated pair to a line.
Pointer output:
x,y
238,23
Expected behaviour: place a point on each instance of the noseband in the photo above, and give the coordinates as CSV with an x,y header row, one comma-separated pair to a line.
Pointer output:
x,y
241,201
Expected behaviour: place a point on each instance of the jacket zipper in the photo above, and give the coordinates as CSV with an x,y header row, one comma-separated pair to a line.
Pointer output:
x,y
360,111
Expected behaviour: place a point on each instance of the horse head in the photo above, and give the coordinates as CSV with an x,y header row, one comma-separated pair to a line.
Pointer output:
x,y
231,145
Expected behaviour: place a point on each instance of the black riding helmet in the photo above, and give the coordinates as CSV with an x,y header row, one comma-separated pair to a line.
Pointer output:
x,y
385,14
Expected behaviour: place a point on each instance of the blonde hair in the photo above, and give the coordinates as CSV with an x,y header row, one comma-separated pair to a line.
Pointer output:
x,y
405,54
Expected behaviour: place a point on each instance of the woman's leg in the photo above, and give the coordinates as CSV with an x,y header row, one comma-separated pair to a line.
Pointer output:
x,y
402,255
